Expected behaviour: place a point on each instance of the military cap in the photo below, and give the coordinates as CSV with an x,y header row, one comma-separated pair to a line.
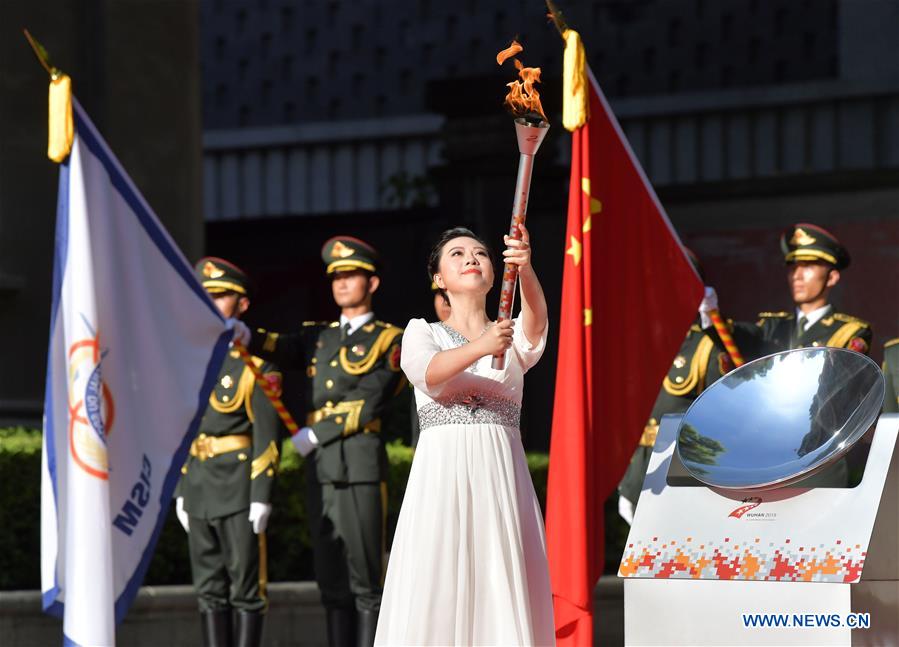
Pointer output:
x,y
694,260
342,253
218,275
805,242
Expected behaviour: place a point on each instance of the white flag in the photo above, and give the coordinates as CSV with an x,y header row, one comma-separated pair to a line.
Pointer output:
x,y
135,346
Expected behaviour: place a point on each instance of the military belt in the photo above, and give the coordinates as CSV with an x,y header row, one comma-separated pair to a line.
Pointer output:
x,y
373,427
650,431
209,446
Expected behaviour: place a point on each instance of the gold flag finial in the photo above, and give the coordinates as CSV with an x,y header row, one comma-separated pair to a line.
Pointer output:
x,y
61,129
555,14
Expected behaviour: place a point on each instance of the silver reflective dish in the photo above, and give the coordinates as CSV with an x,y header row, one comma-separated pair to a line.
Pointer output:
x,y
780,418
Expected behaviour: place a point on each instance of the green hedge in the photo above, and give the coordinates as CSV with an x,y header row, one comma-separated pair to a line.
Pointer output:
x,y
20,509
288,536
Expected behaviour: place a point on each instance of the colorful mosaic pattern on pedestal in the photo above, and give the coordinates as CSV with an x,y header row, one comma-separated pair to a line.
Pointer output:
x,y
690,559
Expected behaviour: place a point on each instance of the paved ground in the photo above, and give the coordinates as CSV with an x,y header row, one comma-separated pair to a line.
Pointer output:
x,y
165,616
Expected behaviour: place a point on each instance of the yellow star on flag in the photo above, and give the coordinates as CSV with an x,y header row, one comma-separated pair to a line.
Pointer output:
x,y
595,204
575,250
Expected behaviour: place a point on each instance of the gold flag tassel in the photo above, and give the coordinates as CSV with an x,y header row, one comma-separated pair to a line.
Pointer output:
x,y
61,129
575,109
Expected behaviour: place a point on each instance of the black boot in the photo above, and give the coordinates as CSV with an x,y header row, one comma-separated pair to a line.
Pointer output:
x,y
341,627
365,628
216,627
249,628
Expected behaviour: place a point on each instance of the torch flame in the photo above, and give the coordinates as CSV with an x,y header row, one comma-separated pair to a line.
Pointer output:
x,y
509,52
523,97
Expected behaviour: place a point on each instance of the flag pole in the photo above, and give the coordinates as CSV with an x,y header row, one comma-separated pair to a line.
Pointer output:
x,y
41,53
555,14
266,387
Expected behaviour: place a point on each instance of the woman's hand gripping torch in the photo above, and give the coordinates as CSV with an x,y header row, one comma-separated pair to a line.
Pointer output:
x,y
531,127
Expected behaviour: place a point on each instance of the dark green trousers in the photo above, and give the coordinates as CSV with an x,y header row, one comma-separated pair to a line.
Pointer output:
x,y
224,561
347,530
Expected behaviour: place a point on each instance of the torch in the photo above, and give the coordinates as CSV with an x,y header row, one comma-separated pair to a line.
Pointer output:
x,y
530,129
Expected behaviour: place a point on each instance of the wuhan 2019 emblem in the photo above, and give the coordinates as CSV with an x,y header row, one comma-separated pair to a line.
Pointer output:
x,y
91,407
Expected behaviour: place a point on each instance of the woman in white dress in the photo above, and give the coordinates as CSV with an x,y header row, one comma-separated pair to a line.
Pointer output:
x,y
468,564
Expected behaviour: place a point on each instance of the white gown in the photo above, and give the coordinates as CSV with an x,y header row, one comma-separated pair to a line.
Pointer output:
x,y
468,564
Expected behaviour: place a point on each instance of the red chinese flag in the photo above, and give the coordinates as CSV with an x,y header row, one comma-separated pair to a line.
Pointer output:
x,y
628,294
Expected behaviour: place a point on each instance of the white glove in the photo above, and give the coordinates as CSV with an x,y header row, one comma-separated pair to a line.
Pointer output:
x,y
709,303
241,331
259,514
304,441
181,513
626,510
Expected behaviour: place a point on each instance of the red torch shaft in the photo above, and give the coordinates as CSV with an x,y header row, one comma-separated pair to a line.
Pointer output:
x,y
510,271
529,140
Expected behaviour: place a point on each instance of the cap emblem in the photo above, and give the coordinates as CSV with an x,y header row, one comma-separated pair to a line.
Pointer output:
x,y
801,238
210,270
341,251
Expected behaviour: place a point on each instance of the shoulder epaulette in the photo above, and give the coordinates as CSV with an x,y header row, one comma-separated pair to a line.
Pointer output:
x,y
318,323
333,324
779,315
695,328
839,316
891,342
384,324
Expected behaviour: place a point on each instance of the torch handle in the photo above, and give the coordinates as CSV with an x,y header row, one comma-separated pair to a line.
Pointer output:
x,y
510,271
270,393
729,345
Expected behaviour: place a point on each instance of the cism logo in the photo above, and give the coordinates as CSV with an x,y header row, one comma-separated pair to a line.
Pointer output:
x,y
91,408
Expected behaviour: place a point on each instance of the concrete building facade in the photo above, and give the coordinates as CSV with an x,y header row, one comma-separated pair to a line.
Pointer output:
x,y
266,126
386,121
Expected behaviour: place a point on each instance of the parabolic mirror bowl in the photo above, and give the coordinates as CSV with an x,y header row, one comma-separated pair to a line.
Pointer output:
x,y
780,418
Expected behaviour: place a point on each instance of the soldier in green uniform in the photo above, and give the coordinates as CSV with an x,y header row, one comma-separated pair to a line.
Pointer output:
x,y
353,366
891,373
223,497
815,260
698,364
